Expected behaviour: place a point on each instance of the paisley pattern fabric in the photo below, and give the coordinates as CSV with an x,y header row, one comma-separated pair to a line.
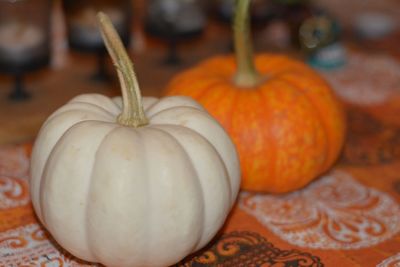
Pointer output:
x,y
13,192
393,261
249,249
366,79
14,161
29,245
370,141
335,212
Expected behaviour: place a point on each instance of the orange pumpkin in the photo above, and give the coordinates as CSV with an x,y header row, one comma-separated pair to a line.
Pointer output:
x,y
283,117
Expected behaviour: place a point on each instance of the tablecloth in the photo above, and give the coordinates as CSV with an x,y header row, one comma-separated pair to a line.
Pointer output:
x,y
349,216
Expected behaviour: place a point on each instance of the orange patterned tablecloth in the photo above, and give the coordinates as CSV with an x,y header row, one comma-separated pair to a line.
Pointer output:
x,y
348,217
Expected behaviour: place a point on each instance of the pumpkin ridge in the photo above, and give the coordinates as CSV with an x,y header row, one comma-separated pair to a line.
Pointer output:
x,y
206,117
151,105
328,137
270,65
169,129
60,146
317,127
235,99
149,194
56,141
97,100
273,147
206,90
174,102
158,113
179,80
210,93
97,106
86,212
265,129
196,133
102,158
277,66
219,66
201,189
75,111
44,171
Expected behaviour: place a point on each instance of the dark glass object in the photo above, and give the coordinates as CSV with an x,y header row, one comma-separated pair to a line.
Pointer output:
x,y
24,40
319,37
174,21
83,31
261,11
294,13
291,12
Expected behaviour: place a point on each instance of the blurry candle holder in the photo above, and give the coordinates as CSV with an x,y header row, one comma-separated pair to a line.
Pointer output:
x,y
174,21
24,40
83,31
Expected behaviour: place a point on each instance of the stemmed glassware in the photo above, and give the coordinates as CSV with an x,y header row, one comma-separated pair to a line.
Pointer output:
x,y
24,40
174,21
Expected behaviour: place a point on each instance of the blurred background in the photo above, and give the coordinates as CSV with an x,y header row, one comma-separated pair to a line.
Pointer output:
x,y
51,51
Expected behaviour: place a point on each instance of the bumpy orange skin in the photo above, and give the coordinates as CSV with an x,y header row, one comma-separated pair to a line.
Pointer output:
x,y
288,129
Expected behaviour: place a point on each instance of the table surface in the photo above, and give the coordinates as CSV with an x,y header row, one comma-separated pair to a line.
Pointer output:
x,y
348,217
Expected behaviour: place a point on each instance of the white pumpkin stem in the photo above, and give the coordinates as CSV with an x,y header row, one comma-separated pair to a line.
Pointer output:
x,y
246,74
132,108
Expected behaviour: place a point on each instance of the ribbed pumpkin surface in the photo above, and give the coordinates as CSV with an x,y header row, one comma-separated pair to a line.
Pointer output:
x,y
288,129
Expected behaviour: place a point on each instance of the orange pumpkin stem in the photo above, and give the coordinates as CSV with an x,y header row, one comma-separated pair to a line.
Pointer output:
x,y
132,109
246,74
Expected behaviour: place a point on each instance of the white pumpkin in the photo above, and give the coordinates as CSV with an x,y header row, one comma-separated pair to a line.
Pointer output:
x,y
147,194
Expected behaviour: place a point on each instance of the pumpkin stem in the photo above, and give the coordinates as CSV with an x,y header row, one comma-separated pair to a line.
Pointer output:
x,y
132,109
246,74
